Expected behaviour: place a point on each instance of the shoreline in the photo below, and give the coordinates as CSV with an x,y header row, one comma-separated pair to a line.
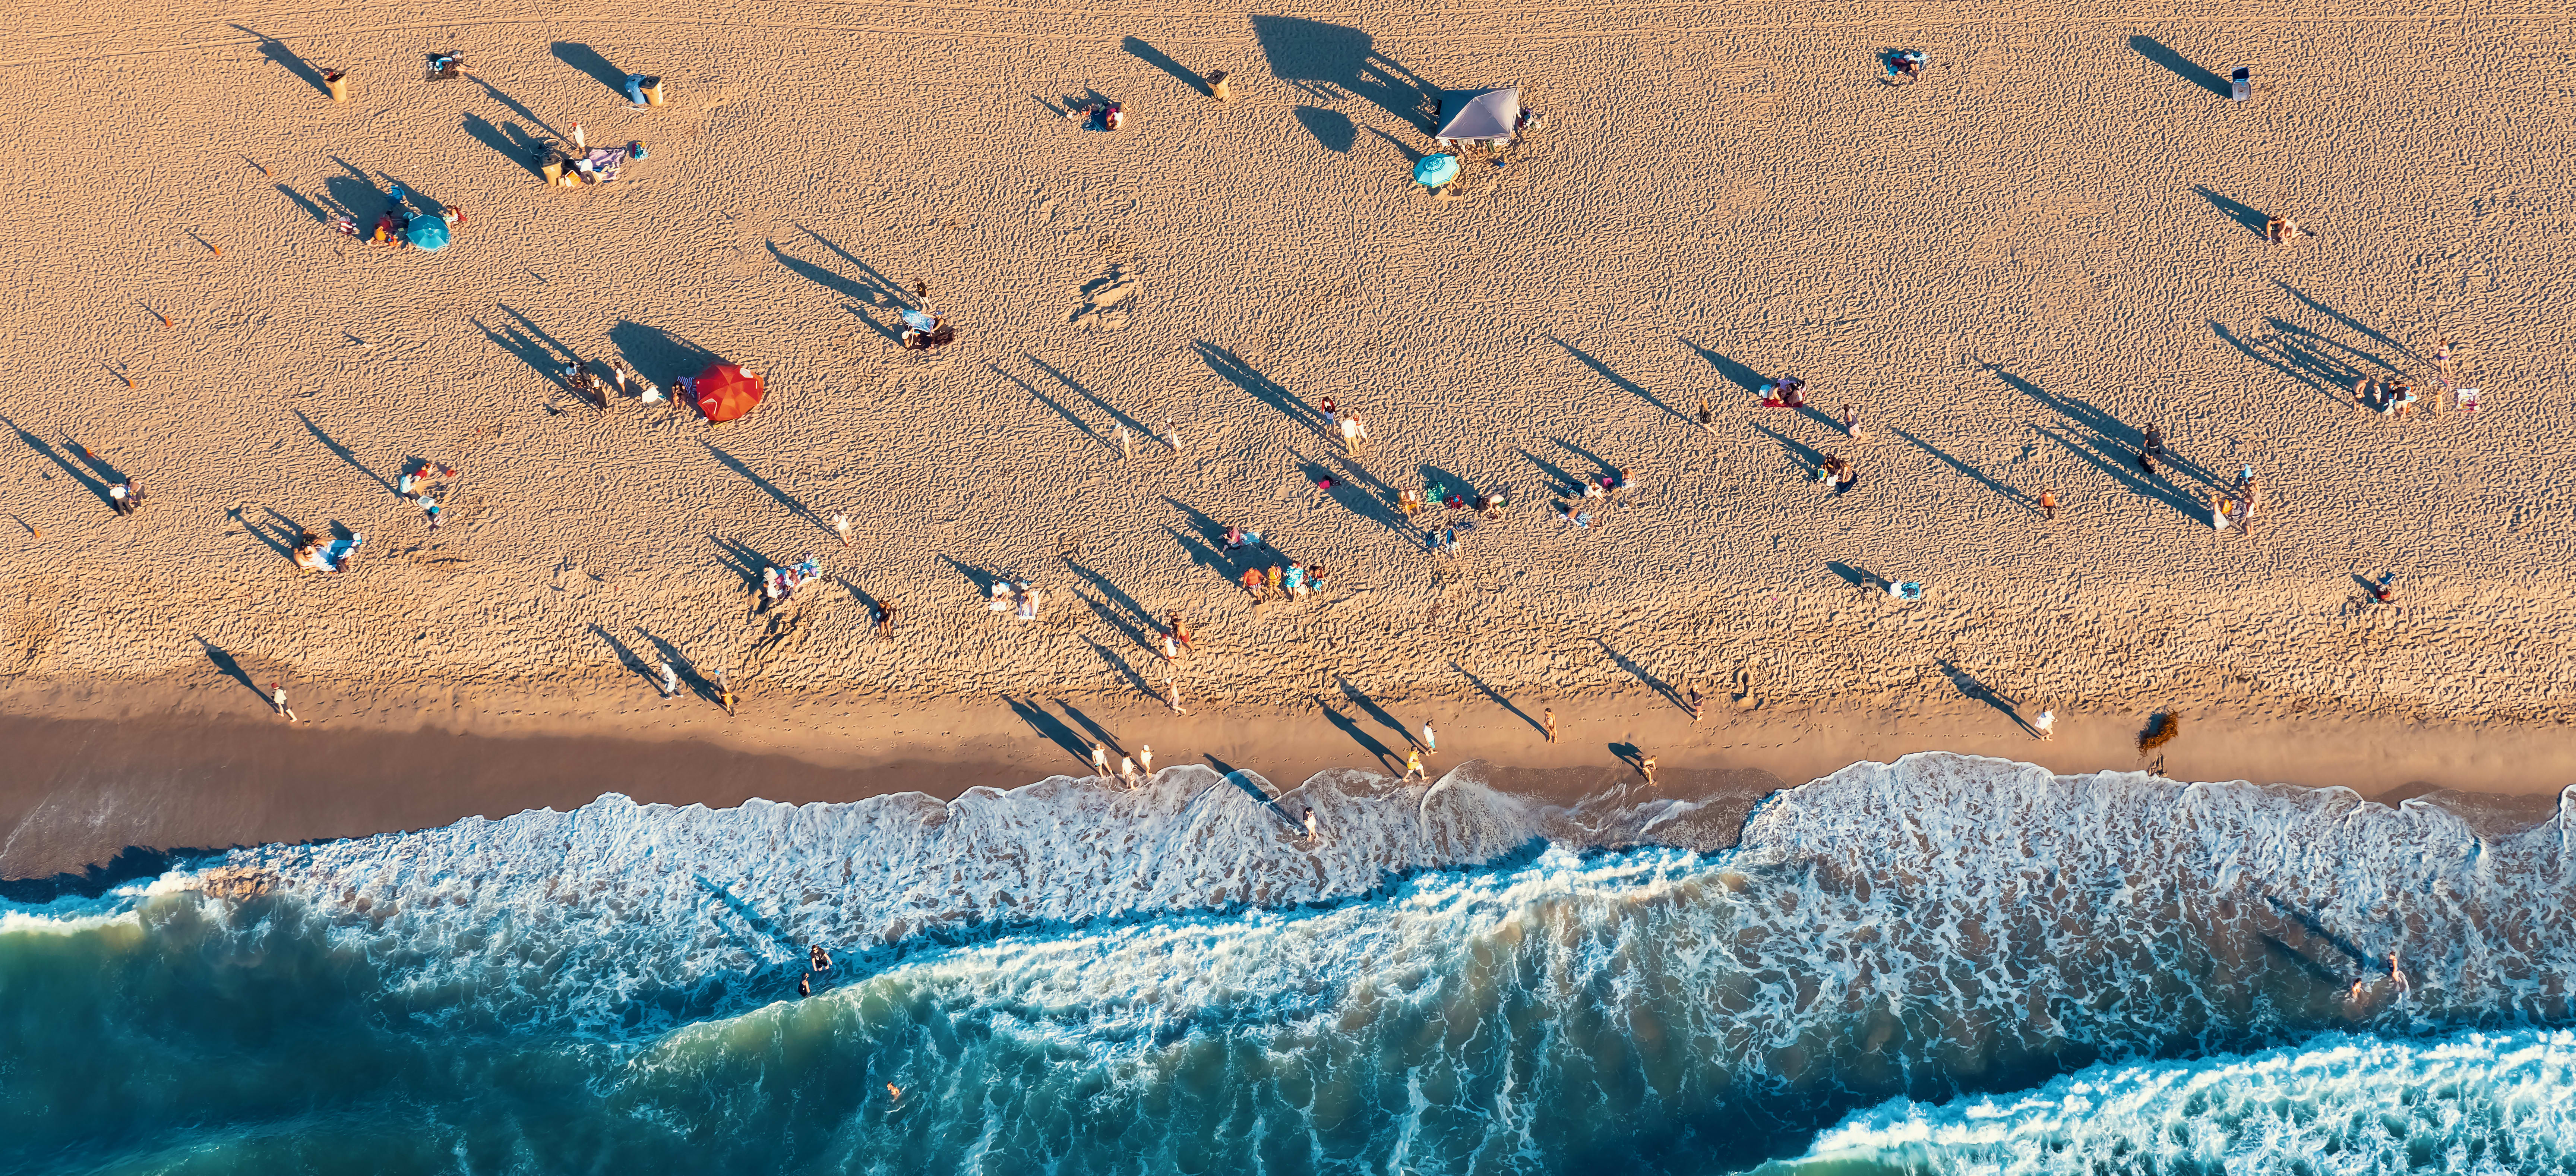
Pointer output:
x,y
198,762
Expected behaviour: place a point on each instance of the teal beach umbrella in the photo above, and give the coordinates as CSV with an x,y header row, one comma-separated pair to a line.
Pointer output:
x,y
1435,170
428,232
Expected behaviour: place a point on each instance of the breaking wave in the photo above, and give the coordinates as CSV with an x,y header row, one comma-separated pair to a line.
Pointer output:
x,y
1076,977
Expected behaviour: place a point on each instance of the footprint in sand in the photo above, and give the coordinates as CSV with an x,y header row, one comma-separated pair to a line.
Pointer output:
x,y
1104,300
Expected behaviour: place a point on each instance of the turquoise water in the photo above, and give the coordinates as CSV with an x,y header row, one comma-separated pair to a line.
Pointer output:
x,y
1947,964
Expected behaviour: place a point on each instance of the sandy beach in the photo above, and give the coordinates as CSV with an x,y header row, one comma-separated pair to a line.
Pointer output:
x,y
2009,268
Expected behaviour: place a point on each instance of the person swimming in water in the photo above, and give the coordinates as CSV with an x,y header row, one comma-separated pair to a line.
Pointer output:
x,y
821,959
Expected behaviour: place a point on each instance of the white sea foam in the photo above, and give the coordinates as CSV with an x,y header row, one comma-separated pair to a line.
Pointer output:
x,y
1942,897
2500,1103
1427,981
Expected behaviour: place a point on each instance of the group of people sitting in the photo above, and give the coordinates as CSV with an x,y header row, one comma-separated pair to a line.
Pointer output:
x,y
2388,398
313,554
622,379
1019,599
1904,66
393,227
126,496
1102,116
1838,473
1288,581
1489,504
1785,392
923,331
777,584
416,487
2237,503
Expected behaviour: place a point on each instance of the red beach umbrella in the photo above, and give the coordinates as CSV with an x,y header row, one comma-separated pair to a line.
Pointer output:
x,y
726,391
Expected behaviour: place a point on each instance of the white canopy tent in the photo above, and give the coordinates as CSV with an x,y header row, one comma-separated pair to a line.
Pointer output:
x,y
1480,114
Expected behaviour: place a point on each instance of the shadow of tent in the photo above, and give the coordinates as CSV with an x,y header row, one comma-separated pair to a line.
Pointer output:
x,y
659,354
587,60
1313,54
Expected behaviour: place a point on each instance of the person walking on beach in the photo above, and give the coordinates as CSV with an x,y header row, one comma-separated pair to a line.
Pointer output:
x,y
724,693
1127,770
1647,766
1851,424
2155,442
2045,725
1698,706
1172,624
1412,766
1354,431
1145,758
1099,761
1430,740
1172,435
670,683
1707,418
1548,721
2048,504
1332,414
841,523
277,698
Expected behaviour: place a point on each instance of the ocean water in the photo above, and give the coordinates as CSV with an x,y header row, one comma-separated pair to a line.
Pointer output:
x,y
1948,964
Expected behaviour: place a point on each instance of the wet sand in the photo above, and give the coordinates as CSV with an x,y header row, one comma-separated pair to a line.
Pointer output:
x,y
200,762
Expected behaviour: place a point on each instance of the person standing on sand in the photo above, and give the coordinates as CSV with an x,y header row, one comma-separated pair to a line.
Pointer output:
x,y
2048,504
1276,573
1172,624
1647,766
724,693
1548,721
1412,767
1172,435
277,697
1430,740
1707,418
670,683
841,523
1851,424
2046,725
1099,761
1353,433
1252,583
1127,770
1145,758
1698,706
2155,442
1332,415
885,618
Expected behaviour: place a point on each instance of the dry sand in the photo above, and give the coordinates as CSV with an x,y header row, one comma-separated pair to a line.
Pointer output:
x,y
2049,241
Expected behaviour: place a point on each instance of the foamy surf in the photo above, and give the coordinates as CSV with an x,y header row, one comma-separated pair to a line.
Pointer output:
x,y
1075,976
2487,1103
